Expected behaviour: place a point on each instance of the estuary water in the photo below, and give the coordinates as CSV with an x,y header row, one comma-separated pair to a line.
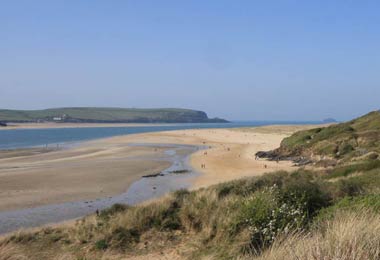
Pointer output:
x,y
23,138
177,176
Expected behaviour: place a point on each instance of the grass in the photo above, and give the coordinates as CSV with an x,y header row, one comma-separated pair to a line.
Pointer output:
x,y
305,214
341,141
343,171
244,218
97,114
353,235
283,215
350,204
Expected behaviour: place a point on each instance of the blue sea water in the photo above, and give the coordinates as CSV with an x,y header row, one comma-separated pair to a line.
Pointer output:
x,y
22,138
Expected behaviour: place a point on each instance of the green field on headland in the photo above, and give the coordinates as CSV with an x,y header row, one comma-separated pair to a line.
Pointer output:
x,y
107,115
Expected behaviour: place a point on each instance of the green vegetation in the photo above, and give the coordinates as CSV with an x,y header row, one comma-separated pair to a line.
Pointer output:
x,y
314,213
107,115
342,142
246,218
343,171
350,203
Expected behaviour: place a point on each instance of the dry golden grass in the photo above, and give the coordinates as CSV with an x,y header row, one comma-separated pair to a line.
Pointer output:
x,y
203,224
11,252
349,236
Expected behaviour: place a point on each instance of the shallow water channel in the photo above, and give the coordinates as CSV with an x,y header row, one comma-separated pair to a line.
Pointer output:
x,y
177,176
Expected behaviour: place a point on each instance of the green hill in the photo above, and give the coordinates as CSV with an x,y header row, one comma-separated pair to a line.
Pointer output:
x,y
344,142
107,115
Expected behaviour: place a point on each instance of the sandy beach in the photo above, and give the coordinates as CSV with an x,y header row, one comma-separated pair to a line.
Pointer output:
x,y
107,167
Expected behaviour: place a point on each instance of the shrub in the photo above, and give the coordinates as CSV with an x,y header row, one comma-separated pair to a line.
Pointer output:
x,y
101,244
301,188
122,238
113,210
349,187
347,236
277,210
180,194
246,187
343,171
266,217
345,148
23,237
350,204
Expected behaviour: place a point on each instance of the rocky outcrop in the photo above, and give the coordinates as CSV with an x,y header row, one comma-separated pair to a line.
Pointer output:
x,y
276,156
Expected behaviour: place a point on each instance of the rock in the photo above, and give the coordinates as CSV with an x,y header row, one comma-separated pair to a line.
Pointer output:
x,y
153,175
274,156
180,171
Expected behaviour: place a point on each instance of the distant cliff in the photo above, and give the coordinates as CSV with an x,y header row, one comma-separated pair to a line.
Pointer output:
x,y
108,115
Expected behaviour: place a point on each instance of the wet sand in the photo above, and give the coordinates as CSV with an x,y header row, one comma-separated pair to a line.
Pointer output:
x,y
104,171
81,173
178,175
107,167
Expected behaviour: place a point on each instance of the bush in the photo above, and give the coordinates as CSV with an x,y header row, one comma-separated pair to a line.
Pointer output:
x,y
345,148
349,169
277,210
301,188
101,244
353,235
122,238
350,204
113,210
246,187
349,187
180,194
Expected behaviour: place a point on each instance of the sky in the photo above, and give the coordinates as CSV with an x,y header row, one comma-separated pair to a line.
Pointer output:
x,y
239,60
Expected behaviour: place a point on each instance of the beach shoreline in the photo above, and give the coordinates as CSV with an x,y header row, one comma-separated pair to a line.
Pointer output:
x,y
143,189
108,167
52,125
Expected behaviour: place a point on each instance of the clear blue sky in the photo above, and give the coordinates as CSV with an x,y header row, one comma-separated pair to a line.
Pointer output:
x,y
244,60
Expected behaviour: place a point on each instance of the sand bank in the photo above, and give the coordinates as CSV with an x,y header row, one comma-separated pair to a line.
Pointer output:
x,y
87,172
109,166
